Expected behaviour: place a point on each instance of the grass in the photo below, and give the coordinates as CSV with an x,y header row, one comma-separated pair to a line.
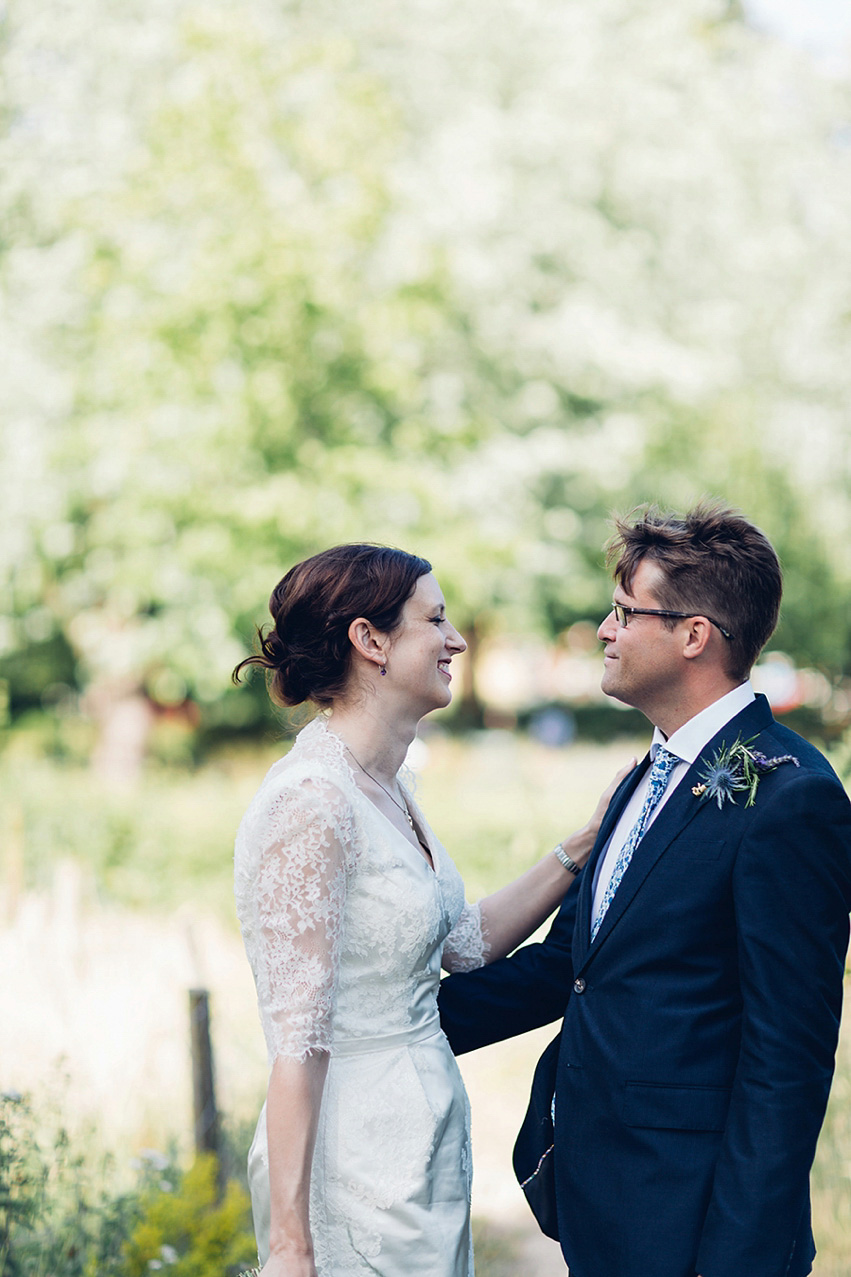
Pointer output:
x,y
496,1249
495,803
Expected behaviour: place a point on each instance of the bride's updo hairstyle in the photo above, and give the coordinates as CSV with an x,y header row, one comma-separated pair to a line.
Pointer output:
x,y
307,648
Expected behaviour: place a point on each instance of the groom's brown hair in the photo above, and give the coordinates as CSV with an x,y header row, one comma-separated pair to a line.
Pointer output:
x,y
713,562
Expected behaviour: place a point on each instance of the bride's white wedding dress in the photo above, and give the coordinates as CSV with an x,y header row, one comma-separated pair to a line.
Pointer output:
x,y
345,926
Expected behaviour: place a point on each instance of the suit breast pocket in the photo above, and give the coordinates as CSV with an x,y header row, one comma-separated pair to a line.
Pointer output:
x,y
690,846
675,1108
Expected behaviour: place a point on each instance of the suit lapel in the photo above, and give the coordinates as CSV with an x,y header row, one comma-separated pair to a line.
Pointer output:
x,y
680,808
678,812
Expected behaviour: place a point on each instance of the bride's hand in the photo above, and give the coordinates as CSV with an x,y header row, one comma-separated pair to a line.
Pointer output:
x,y
580,845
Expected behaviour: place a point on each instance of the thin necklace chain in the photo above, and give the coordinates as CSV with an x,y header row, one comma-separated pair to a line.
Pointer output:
x,y
394,801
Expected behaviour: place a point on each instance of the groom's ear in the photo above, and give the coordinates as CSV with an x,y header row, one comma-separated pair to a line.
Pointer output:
x,y
698,637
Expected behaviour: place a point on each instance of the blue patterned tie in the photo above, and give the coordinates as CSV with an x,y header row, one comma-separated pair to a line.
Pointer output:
x,y
660,773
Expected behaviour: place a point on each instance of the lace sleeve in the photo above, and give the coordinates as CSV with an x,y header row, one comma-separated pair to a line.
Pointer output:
x,y
300,892
466,947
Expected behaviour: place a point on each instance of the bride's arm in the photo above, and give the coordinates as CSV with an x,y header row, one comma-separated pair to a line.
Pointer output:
x,y
510,915
293,925
292,1112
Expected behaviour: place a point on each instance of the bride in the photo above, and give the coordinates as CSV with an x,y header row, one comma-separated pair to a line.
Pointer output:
x,y
349,906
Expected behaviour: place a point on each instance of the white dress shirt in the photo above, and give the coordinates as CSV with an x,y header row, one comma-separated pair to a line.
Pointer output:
x,y
686,742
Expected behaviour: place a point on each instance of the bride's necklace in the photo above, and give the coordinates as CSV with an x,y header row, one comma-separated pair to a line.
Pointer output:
x,y
394,801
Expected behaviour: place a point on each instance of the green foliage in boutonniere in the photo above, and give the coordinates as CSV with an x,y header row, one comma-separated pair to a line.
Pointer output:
x,y
736,768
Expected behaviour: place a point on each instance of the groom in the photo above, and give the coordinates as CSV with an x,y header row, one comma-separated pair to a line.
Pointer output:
x,y
699,965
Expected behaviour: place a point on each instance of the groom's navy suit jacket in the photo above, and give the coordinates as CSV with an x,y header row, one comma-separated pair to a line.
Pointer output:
x,y
700,1026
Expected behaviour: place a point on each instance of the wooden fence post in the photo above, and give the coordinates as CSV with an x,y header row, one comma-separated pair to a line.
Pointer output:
x,y
203,1088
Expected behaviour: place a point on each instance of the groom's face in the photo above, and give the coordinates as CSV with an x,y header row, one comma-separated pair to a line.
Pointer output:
x,y
643,660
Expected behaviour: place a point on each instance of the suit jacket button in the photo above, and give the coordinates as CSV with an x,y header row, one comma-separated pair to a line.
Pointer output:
x,y
579,985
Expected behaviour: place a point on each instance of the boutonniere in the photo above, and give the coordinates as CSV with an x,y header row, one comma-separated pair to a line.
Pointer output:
x,y
736,768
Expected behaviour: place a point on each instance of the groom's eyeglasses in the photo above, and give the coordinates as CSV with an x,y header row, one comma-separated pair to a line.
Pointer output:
x,y
622,615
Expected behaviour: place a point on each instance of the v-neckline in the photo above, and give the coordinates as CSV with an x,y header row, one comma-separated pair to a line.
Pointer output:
x,y
418,851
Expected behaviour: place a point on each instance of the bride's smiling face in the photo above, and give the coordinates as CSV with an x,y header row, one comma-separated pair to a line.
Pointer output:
x,y
421,649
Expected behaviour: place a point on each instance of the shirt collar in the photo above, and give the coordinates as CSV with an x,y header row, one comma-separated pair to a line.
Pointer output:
x,y
687,741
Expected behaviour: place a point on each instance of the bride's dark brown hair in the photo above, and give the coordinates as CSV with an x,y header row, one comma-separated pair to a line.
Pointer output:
x,y
307,649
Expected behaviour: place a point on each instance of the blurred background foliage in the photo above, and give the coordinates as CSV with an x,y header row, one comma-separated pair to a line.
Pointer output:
x,y
276,275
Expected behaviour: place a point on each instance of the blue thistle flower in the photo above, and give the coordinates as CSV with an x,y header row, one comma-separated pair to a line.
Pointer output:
x,y
722,779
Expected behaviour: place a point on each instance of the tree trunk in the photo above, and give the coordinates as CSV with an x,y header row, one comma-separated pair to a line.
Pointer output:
x,y
124,716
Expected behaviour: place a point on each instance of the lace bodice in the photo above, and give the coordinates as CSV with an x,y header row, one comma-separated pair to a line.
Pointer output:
x,y
344,922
